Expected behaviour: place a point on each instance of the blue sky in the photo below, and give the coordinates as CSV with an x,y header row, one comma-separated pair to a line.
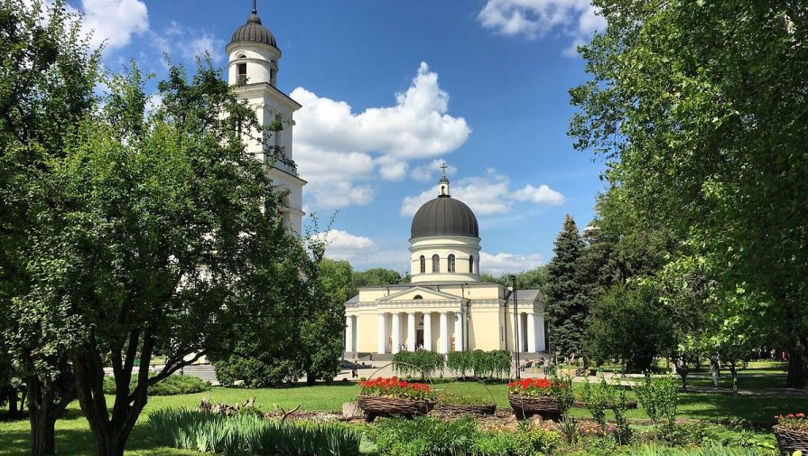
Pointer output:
x,y
390,89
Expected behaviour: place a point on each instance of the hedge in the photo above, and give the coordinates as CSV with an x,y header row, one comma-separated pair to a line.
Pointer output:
x,y
481,364
170,386
419,362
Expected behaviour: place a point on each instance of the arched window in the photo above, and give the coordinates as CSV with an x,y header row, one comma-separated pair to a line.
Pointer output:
x,y
435,263
416,297
471,264
241,73
451,262
423,264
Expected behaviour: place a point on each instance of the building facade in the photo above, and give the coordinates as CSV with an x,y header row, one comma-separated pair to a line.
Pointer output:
x,y
445,307
252,69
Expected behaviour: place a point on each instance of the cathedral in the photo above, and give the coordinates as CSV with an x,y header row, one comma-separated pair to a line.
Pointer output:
x,y
445,307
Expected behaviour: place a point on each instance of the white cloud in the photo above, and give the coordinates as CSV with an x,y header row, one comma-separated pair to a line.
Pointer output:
x,y
335,146
359,250
115,21
487,195
508,263
187,43
578,19
542,194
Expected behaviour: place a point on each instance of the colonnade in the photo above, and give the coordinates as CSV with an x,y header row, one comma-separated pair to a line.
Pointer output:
x,y
452,328
411,341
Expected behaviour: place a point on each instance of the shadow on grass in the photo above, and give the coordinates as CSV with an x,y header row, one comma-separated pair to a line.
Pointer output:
x,y
756,409
79,442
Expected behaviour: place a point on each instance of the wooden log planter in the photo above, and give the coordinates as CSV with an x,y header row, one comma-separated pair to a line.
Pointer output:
x,y
526,406
376,406
790,440
466,409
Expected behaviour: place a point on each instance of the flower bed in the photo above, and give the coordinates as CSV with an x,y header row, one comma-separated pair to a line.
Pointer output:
x,y
393,397
533,396
791,432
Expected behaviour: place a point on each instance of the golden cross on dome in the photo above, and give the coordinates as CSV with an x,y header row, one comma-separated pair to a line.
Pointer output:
x,y
443,170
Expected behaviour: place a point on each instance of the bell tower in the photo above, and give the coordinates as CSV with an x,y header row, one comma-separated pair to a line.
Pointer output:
x,y
252,69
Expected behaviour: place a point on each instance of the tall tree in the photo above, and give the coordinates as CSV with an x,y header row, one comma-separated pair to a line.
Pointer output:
x,y
157,228
47,75
565,304
699,108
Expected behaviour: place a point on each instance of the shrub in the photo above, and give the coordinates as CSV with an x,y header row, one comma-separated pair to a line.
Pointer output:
x,y
461,362
170,386
793,421
419,362
659,397
248,434
597,398
461,437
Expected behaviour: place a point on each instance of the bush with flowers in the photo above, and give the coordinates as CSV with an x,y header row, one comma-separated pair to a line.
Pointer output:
x,y
793,421
393,387
532,387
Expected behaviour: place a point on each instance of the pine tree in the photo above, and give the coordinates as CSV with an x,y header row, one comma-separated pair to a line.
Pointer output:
x,y
566,307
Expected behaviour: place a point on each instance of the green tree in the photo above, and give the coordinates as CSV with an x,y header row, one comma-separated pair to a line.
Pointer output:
x,y
323,333
697,108
47,76
628,325
565,304
375,276
307,321
157,229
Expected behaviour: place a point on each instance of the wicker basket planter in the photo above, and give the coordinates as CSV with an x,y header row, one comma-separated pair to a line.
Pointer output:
x,y
789,440
463,409
375,406
526,406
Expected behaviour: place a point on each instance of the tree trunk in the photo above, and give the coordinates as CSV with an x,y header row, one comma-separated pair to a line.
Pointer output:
x,y
40,403
13,395
796,371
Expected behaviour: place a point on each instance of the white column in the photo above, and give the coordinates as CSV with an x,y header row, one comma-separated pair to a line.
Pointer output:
x,y
540,346
382,341
521,332
396,332
349,337
411,331
458,331
531,333
427,331
444,334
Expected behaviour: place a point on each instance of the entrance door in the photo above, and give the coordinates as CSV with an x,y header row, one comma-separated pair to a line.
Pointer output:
x,y
419,338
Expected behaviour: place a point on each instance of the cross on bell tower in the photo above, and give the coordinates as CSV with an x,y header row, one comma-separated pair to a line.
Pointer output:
x,y
443,183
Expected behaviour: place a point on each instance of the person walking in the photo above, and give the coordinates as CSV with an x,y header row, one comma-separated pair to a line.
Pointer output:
x,y
715,371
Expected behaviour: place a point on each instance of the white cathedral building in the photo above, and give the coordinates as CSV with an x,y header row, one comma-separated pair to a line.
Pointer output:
x,y
445,307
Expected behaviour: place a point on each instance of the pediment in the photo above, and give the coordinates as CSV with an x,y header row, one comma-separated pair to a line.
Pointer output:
x,y
426,294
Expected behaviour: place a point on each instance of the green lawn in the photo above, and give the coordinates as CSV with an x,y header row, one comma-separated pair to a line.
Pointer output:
x,y
73,436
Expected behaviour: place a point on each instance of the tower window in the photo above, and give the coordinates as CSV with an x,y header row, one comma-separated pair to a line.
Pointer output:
x,y
451,263
435,263
471,264
423,264
241,73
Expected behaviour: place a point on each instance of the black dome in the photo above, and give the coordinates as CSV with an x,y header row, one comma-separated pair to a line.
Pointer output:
x,y
444,216
254,32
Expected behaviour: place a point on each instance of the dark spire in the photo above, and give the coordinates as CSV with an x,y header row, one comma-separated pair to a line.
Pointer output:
x,y
255,7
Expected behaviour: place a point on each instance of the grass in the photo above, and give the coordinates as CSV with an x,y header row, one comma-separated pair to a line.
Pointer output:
x,y
74,438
